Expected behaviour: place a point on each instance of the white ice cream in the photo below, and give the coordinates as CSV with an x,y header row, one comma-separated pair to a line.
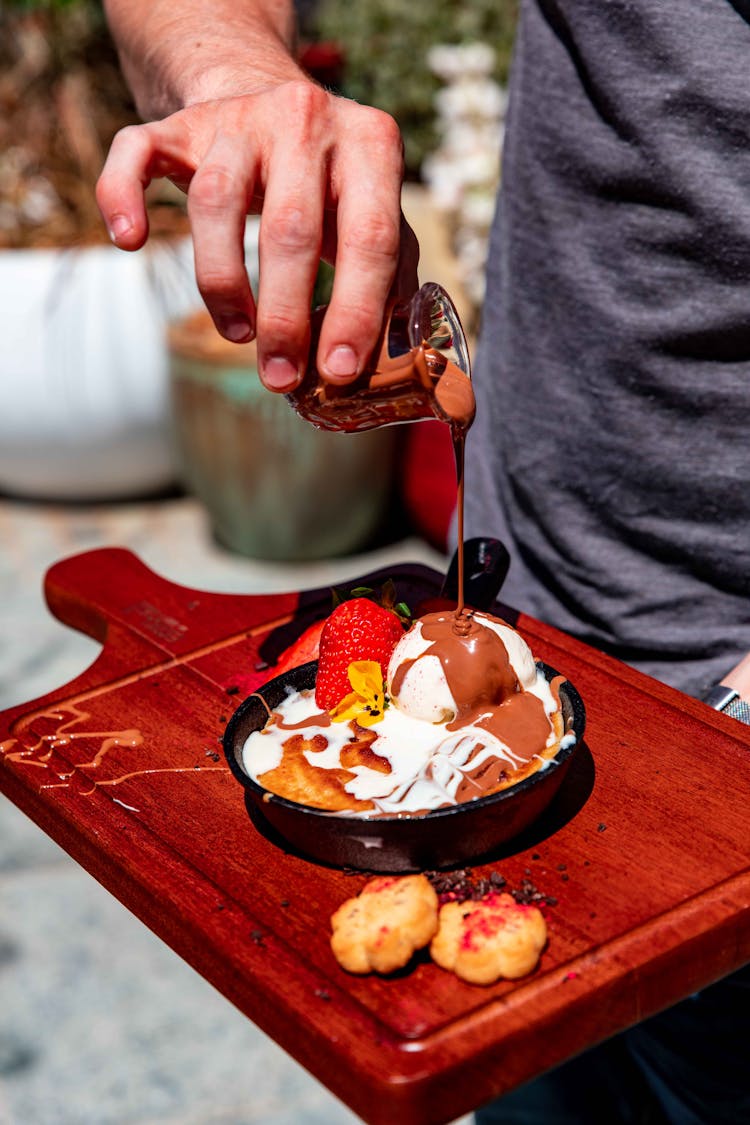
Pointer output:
x,y
424,692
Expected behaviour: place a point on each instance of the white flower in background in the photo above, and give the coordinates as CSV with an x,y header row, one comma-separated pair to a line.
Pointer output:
x,y
466,59
478,211
446,184
480,98
464,172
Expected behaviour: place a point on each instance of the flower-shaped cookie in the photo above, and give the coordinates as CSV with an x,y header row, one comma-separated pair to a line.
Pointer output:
x,y
385,924
492,938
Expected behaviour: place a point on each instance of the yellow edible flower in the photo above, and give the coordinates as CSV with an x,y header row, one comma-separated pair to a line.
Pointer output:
x,y
366,702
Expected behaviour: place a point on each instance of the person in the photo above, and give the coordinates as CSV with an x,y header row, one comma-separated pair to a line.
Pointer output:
x,y
610,450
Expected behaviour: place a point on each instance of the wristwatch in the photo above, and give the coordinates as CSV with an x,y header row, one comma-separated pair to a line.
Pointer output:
x,y
724,698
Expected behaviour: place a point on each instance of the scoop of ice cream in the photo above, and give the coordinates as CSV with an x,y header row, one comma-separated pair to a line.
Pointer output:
x,y
442,668
416,681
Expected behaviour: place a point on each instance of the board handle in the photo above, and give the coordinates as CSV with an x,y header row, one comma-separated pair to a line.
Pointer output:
x,y
96,590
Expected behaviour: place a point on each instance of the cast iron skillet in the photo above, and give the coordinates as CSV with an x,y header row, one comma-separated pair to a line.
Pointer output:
x,y
452,836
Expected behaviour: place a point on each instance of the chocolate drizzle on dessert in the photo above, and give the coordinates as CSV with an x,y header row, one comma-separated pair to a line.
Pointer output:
x,y
321,719
474,660
486,692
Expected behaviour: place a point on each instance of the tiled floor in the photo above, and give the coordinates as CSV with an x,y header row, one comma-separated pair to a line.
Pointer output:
x,y
100,1023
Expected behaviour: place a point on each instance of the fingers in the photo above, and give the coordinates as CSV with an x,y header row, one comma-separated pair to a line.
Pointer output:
x,y
119,191
367,177
310,158
218,199
291,237
138,155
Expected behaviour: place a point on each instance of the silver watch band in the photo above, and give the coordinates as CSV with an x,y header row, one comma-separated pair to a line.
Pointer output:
x,y
727,700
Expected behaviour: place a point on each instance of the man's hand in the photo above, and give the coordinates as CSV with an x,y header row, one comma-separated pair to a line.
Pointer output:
x,y
325,174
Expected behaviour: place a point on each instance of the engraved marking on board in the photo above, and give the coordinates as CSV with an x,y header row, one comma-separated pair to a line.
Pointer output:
x,y
158,624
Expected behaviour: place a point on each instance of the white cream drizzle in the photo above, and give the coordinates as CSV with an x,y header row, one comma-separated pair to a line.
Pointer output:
x,y
428,762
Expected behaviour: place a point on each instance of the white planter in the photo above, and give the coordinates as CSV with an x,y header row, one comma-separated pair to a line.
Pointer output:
x,y
84,406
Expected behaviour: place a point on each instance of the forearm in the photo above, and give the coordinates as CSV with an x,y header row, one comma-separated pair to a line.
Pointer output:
x,y
176,55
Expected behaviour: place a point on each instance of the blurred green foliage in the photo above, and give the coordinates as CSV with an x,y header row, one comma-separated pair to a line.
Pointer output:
x,y
47,5
385,45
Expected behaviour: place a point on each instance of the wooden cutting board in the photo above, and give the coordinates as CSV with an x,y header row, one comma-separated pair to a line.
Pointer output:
x,y
644,850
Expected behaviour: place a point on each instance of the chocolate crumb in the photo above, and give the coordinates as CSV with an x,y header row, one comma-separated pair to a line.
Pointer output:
x,y
257,937
233,690
212,755
458,886
565,878
601,827
529,895
285,902
535,855
262,666
222,718
322,994
562,867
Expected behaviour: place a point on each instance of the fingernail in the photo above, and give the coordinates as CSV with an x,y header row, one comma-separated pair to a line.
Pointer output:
x,y
279,374
119,225
238,329
341,361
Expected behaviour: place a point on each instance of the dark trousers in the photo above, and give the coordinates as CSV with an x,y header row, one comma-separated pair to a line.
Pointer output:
x,y
689,1065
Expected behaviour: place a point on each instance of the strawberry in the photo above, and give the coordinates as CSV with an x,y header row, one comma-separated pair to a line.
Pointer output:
x,y
358,629
301,651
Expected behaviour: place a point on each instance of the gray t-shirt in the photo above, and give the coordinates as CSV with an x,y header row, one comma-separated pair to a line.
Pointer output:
x,y
611,449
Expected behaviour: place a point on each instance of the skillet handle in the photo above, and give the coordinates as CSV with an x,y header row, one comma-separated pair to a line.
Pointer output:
x,y
486,564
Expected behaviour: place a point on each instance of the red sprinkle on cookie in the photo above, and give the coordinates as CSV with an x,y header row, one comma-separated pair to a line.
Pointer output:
x,y
492,938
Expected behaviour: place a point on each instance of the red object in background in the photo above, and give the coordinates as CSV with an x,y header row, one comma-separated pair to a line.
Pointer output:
x,y
428,480
323,61
301,651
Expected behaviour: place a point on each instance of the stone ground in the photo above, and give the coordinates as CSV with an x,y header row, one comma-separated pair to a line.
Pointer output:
x,y
100,1023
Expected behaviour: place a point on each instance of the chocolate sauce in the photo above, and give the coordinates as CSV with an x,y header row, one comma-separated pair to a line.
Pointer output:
x,y
418,369
475,663
415,386
485,689
44,750
320,719
459,445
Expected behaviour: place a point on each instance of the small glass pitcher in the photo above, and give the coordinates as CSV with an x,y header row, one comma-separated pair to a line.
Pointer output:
x,y
421,357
